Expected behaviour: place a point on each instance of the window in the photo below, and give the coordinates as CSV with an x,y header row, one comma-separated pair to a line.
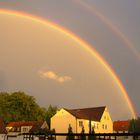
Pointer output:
x,y
105,117
13,129
106,126
25,129
81,123
103,126
18,129
94,126
97,125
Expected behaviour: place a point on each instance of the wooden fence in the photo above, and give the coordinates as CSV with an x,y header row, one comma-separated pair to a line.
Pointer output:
x,y
85,136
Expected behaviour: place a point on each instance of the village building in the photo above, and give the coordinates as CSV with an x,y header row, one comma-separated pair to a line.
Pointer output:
x,y
122,127
3,131
17,128
98,118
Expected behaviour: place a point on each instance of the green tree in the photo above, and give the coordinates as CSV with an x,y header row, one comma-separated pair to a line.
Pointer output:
x,y
4,106
51,110
135,125
18,106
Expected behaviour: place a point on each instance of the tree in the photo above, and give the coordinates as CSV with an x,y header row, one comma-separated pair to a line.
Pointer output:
x,y
50,112
18,106
70,133
135,125
93,132
83,137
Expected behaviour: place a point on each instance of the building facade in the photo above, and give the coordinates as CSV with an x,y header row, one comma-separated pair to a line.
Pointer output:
x,y
122,127
16,128
98,118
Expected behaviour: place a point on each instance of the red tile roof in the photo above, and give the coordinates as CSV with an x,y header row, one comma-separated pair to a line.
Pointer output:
x,y
121,125
21,123
35,125
94,114
2,127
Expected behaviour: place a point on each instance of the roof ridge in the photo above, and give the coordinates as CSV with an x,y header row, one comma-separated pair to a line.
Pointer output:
x,y
85,108
89,108
94,113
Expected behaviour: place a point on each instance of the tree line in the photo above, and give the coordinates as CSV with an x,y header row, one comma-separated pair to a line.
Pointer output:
x,y
135,125
18,106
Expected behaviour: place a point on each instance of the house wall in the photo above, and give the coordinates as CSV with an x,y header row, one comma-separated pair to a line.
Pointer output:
x,y
86,125
80,124
22,129
8,128
45,125
61,120
2,136
104,126
25,129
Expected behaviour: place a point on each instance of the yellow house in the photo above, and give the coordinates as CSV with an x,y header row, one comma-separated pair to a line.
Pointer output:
x,y
99,118
20,127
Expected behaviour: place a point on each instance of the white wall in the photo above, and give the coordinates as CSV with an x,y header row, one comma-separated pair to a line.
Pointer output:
x,y
2,136
60,122
104,126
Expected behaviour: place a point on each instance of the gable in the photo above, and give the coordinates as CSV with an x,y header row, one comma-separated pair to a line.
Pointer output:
x,y
106,115
44,125
62,112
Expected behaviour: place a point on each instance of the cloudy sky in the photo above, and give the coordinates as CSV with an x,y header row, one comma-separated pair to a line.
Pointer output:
x,y
69,76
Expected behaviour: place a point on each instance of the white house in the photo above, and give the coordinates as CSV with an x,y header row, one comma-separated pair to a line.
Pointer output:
x,y
98,116
16,128
122,127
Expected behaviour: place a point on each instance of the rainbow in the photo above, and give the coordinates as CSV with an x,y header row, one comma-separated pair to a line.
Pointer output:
x,y
111,26
87,47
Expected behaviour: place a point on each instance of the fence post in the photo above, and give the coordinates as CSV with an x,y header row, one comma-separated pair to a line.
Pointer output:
x,y
115,137
104,136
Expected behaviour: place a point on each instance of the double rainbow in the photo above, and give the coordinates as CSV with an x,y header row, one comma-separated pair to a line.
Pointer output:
x,y
87,47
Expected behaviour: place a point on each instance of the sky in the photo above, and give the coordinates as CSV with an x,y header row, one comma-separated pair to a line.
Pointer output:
x,y
72,75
